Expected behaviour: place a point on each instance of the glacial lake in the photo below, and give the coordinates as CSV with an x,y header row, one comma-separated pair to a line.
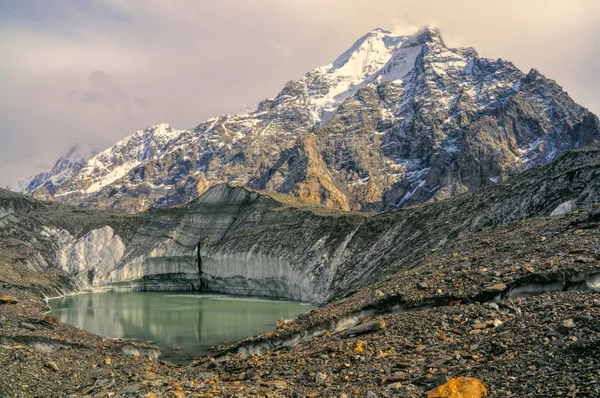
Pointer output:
x,y
183,325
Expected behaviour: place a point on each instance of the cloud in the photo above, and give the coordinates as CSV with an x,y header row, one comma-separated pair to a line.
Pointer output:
x,y
92,97
400,26
98,70
104,93
143,102
100,79
283,50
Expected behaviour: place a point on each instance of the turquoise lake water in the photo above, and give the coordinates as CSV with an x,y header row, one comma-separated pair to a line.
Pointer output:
x,y
183,325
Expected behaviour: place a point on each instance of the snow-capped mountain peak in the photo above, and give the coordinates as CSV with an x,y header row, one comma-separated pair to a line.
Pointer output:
x,y
22,184
365,54
81,151
393,120
71,163
115,162
64,168
328,86
425,35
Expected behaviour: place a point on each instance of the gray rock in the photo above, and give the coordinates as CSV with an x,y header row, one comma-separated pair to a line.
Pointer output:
x,y
130,389
569,324
320,378
28,326
567,207
594,214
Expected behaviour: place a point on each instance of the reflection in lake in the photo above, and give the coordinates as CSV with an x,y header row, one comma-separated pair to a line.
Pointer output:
x,y
184,325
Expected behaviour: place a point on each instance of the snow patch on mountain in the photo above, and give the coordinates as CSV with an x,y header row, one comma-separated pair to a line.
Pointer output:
x,y
329,85
22,184
115,162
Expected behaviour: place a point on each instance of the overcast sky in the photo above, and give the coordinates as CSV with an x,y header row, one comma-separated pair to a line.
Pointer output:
x,y
98,70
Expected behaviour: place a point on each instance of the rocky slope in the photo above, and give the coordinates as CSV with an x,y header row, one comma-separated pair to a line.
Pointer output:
x,y
267,244
498,304
395,120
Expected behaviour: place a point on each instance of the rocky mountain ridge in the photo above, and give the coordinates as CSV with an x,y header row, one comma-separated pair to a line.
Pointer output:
x,y
255,243
394,121
64,168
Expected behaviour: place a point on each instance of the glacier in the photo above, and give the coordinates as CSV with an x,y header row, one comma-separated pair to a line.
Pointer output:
x,y
266,244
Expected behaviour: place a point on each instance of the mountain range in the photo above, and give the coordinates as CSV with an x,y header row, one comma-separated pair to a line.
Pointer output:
x,y
393,121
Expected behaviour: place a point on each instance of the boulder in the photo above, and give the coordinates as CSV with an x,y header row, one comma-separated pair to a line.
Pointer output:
x,y
567,207
594,214
460,387
8,300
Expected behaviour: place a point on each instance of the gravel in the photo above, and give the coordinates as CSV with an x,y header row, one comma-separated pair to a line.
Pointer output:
x,y
439,320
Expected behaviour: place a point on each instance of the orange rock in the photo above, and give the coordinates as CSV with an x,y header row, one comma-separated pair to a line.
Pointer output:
x,y
51,319
528,269
8,300
460,387
202,185
359,346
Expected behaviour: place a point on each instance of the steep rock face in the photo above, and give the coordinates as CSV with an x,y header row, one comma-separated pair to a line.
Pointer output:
x,y
268,244
453,123
394,121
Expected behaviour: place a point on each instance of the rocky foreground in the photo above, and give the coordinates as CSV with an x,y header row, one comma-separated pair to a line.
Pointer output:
x,y
516,307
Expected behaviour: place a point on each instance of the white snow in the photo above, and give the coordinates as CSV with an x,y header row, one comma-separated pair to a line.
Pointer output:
x,y
115,174
329,85
409,195
401,63
20,185
417,174
115,162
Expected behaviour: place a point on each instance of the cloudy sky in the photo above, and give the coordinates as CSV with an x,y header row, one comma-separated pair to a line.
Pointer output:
x,y
98,70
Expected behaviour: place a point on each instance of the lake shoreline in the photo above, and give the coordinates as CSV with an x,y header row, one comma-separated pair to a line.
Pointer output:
x,y
497,305
184,325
